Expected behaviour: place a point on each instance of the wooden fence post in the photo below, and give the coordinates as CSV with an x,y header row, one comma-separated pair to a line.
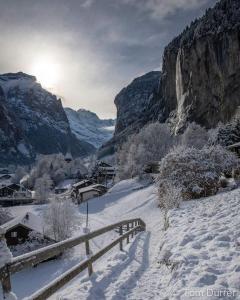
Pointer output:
x,y
132,228
128,235
90,267
121,233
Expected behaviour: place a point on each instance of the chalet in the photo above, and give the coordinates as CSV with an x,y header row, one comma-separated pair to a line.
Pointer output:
x,y
86,193
83,193
14,194
103,172
17,230
82,184
100,188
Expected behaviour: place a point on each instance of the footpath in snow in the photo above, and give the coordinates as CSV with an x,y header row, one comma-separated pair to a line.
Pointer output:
x,y
198,257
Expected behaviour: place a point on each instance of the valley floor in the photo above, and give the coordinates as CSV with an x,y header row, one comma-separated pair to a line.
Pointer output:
x,y
198,257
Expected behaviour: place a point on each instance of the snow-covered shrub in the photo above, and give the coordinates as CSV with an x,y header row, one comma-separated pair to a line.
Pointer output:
x,y
60,217
228,134
169,197
196,171
152,143
195,136
5,215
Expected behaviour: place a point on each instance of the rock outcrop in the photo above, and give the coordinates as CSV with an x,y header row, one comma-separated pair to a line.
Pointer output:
x,y
201,70
33,122
200,79
135,107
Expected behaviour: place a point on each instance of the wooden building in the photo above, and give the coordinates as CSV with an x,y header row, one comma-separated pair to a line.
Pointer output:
x,y
85,193
13,190
17,230
103,172
14,194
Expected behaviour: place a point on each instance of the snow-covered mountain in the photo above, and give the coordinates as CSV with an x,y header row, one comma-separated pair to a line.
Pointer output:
x,y
33,121
88,127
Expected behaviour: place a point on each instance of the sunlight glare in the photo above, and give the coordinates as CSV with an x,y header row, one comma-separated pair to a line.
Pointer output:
x,y
46,71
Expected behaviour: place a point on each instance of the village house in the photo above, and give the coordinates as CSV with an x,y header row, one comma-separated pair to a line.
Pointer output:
x,y
103,172
14,194
85,193
25,233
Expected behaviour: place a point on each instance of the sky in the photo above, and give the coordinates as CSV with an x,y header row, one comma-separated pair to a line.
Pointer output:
x,y
86,51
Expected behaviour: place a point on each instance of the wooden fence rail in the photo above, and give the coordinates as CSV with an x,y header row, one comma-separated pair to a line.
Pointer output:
x,y
35,257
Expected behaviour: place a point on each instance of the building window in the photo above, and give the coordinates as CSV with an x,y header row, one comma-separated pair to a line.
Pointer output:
x,y
14,234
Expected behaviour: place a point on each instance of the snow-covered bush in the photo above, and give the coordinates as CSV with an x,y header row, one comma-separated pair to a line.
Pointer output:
x,y
60,217
169,197
152,143
196,171
195,136
5,215
228,134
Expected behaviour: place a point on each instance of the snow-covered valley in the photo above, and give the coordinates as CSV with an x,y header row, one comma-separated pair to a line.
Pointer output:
x,y
198,256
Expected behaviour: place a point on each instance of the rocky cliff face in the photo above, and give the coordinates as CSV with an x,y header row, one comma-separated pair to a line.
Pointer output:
x,y
134,99
201,70
88,127
200,79
33,121
136,106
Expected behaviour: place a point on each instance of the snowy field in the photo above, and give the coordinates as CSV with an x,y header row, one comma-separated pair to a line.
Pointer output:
x,y
198,257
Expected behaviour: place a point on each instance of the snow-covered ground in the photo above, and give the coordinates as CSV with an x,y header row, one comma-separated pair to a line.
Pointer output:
x,y
197,256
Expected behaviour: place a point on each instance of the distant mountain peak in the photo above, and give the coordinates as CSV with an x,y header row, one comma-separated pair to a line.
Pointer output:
x,y
16,76
87,126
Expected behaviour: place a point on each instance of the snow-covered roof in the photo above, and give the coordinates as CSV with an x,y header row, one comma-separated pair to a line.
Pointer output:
x,y
88,189
96,186
28,219
81,182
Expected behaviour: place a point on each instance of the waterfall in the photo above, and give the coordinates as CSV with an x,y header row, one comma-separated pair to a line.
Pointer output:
x,y
179,90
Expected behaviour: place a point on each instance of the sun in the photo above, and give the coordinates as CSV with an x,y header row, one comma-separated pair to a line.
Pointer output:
x,y
47,72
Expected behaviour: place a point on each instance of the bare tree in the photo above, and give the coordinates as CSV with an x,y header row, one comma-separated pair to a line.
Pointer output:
x,y
152,143
42,188
60,218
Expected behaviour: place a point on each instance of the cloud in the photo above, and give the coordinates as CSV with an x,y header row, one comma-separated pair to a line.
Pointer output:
x,y
87,3
160,9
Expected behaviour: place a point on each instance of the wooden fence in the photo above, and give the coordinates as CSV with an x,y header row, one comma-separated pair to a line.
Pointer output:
x,y
125,229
